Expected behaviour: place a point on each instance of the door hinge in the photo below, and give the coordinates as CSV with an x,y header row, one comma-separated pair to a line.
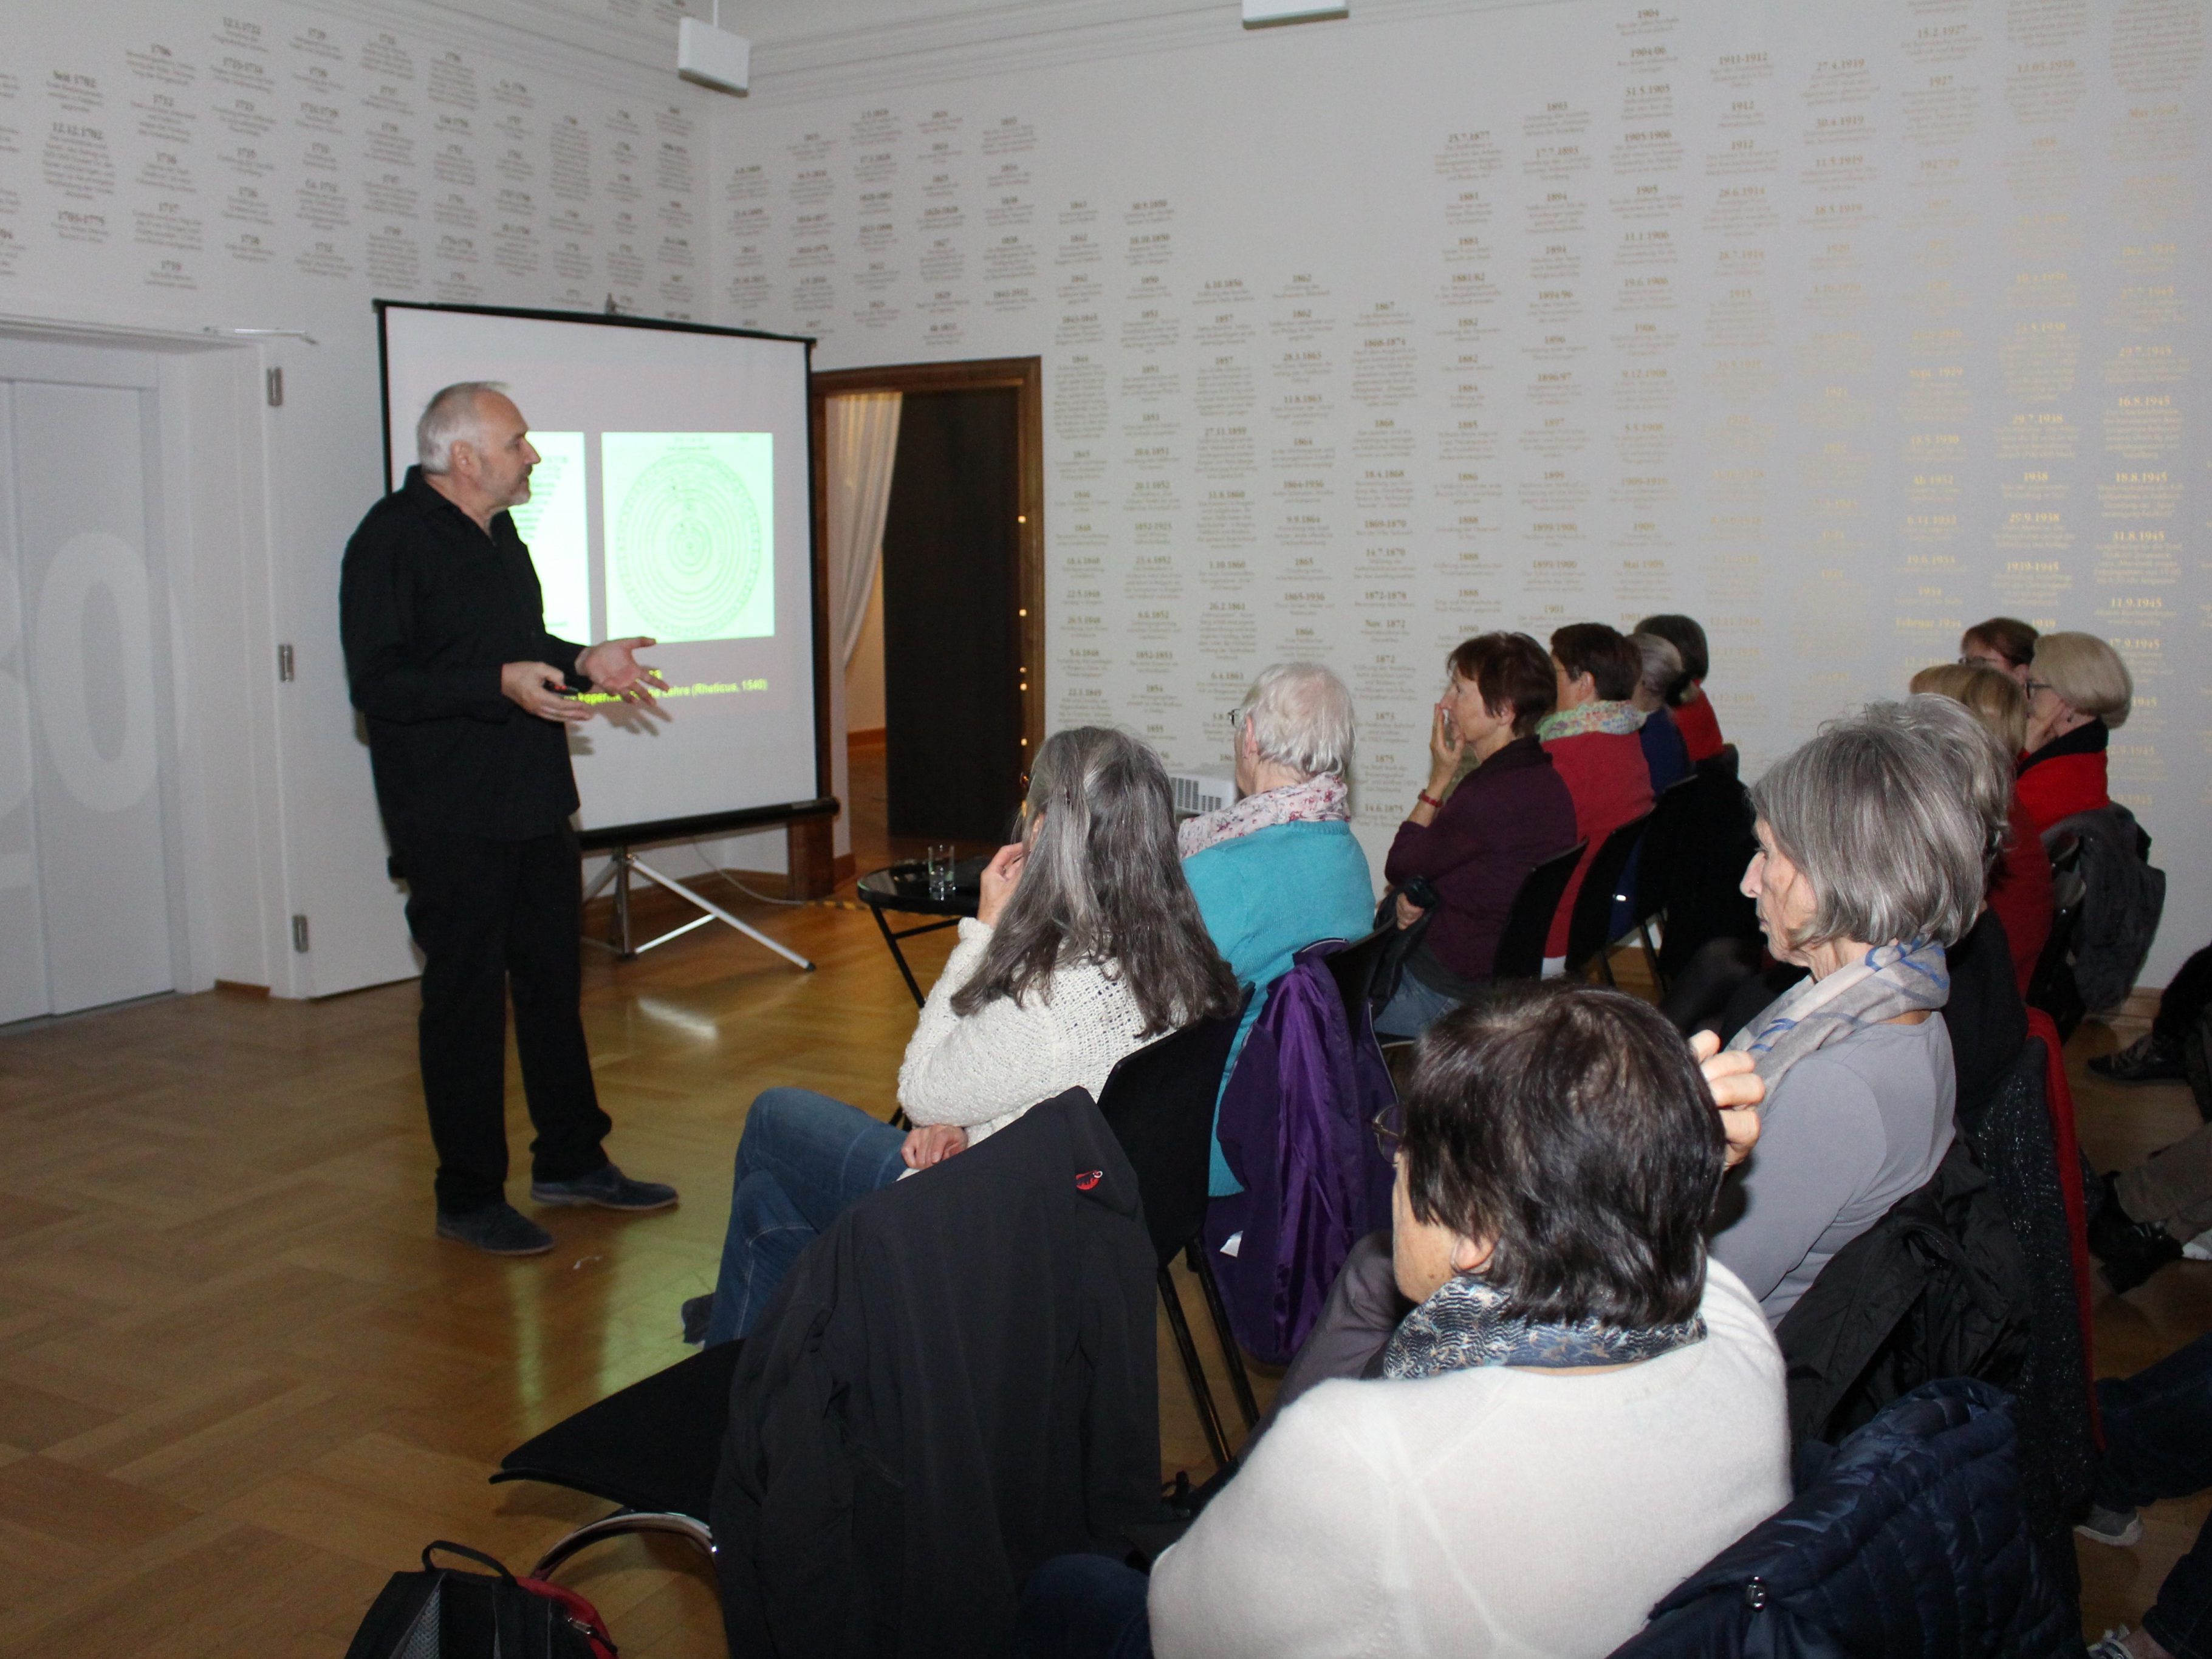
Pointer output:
x,y
284,664
300,935
275,388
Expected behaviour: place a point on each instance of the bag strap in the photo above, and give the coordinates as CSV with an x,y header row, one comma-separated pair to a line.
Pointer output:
x,y
451,1548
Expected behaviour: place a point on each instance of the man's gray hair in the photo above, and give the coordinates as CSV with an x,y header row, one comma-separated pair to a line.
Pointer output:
x,y
451,416
1876,814
1978,760
1300,715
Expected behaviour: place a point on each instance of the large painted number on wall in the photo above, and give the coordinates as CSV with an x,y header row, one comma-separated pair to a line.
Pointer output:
x,y
105,782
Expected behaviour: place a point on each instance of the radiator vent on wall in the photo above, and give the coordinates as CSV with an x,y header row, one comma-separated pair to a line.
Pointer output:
x,y
1194,793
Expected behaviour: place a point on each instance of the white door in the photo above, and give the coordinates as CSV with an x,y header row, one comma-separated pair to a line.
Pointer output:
x,y
84,900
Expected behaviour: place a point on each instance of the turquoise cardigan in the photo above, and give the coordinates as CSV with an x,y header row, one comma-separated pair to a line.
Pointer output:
x,y
1265,898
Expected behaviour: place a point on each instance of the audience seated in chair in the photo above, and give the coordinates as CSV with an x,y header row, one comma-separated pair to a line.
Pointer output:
x,y
1473,839
1279,869
2019,889
1087,942
1577,1412
1591,737
2158,1444
1692,710
2079,692
1864,875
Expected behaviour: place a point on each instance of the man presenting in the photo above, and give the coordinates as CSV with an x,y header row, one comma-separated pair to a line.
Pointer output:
x,y
469,702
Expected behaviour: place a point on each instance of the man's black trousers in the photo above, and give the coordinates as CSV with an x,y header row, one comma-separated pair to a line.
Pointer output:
x,y
492,917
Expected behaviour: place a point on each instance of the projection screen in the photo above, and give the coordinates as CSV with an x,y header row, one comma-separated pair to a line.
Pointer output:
x,y
673,499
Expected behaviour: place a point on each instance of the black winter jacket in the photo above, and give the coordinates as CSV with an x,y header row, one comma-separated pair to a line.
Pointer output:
x,y
1911,1544
954,1383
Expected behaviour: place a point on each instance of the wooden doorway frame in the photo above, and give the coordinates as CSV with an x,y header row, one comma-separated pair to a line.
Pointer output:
x,y
1024,376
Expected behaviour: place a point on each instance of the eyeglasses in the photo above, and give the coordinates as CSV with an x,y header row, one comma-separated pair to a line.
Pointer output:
x,y
1235,718
2036,685
1981,660
1389,1127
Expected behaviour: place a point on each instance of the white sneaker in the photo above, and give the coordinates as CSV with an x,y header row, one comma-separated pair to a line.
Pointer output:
x,y
2114,1645
2199,1248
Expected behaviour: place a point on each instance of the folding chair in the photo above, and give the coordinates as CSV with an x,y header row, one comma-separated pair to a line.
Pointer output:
x,y
1589,928
651,1449
1528,922
1160,1103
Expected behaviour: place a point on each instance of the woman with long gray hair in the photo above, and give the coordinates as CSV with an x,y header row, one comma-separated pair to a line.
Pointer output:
x,y
1086,944
1870,863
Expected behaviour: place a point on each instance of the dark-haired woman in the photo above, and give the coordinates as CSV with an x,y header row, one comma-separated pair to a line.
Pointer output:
x,y
1086,944
1475,842
2004,643
1577,1413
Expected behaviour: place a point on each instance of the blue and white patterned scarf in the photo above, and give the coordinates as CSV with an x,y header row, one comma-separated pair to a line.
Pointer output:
x,y
1464,1324
1888,981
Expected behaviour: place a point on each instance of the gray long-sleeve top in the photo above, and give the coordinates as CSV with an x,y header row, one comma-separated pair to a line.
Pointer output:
x,y
1849,1131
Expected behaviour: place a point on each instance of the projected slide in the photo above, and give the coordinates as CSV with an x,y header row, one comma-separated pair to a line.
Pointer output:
x,y
688,534
554,524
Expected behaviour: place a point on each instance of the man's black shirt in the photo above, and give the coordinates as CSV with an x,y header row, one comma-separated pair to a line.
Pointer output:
x,y
429,610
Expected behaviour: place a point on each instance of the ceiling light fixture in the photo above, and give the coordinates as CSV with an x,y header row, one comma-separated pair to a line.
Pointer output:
x,y
1264,13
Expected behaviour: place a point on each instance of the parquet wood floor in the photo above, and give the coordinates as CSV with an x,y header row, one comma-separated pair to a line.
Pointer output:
x,y
241,1381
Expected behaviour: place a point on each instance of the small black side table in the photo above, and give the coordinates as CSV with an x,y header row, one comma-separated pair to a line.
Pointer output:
x,y
905,888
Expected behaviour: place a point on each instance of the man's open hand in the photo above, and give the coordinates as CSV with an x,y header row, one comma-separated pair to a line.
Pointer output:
x,y
611,668
536,687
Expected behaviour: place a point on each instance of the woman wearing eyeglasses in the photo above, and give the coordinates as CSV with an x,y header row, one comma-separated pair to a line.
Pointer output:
x,y
2078,691
1578,1410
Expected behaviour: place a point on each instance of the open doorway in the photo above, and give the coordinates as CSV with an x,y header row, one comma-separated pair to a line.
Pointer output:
x,y
956,609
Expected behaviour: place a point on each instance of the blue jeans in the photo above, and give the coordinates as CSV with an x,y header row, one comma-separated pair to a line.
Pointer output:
x,y
1413,1008
802,1159
2158,1443
1084,1607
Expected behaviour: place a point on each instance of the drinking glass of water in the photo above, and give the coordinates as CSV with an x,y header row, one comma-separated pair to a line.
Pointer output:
x,y
939,864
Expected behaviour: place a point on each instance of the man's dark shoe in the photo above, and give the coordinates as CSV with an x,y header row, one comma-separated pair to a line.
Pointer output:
x,y
2131,1251
497,1230
606,1187
2149,1059
695,1312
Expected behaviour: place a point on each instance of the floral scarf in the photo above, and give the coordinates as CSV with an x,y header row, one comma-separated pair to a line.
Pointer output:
x,y
1888,981
1320,800
1614,718
1464,1325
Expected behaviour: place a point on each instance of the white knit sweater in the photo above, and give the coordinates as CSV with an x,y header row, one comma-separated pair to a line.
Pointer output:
x,y
1487,1514
984,1071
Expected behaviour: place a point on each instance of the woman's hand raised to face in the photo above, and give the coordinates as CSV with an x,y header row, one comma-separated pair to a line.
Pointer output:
x,y
1736,1088
1446,746
1001,877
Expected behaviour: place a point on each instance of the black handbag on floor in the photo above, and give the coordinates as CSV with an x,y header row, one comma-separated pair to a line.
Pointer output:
x,y
443,1612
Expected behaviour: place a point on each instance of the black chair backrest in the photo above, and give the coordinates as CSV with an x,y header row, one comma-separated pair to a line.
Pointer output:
x,y
1666,840
1355,968
1159,1102
1721,763
1528,923
2050,986
1589,928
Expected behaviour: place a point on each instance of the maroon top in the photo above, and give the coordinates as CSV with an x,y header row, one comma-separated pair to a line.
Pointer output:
x,y
1506,817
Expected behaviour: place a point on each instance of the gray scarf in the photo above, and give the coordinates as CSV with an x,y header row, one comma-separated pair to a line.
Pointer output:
x,y
1888,981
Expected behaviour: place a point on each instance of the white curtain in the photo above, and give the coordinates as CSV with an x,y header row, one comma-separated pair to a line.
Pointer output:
x,y
863,441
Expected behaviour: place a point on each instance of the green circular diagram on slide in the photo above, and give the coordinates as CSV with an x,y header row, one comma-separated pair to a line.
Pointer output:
x,y
689,550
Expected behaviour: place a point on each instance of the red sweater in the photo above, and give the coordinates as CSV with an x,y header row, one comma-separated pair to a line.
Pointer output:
x,y
1700,728
1609,784
2065,776
2019,893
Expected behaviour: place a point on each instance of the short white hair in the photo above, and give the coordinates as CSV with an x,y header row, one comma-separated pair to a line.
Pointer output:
x,y
454,415
1300,716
